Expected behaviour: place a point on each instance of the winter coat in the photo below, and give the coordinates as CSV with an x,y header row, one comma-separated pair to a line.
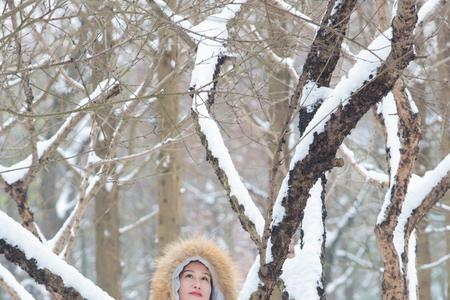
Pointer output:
x,y
165,282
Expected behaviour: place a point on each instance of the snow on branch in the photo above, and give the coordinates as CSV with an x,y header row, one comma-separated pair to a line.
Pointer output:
x,y
138,222
91,182
11,121
393,144
371,176
437,230
443,206
371,78
355,259
210,56
342,279
22,169
422,193
282,5
308,252
282,62
180,24
25,250
435,263
402,137
251,282
368,62
9,284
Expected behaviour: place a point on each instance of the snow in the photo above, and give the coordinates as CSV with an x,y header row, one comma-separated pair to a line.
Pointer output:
x,y
412,272
433,264
208,52
367,64
180,21
426,9
368,174
13,284
391,122
418,189
286,62
269,256
345,277
294,11
140,221
17,171
24,240
251,282
336,6
63,204
311,94
414,108
307,259
278,210
368,61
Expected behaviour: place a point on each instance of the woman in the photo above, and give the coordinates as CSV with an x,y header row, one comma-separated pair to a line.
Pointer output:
x,y
194,269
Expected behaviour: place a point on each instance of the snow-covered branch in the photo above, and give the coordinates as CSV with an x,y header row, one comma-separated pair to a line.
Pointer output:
x,y
402,125
355,259
435,263
139,222
180,24
292,11
22,248
371,176
423,193
21,170
367,82
209,58
309,252
18,177
437,230
9,284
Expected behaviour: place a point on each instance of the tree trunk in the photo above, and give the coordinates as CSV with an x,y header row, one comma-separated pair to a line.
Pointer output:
x,y
108,267
444,106
107,261
423,257
169,167
279,96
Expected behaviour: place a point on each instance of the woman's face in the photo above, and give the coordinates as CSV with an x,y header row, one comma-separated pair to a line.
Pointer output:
x,y
195,282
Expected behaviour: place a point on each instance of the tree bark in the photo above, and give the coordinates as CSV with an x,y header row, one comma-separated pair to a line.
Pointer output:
x,y
107,251
169,166
52,282
322,151
423,257
279,96
444,106
107,261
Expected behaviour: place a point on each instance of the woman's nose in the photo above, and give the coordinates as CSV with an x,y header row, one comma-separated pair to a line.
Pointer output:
x,y
196,283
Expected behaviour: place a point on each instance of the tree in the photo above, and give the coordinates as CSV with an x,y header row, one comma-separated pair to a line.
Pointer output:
x,y
103,74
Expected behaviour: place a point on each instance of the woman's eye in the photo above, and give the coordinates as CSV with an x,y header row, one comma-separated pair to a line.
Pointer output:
x,y
205,278
188,276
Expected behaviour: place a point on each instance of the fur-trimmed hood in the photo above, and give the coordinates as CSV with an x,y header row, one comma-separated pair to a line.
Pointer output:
x,y
182,252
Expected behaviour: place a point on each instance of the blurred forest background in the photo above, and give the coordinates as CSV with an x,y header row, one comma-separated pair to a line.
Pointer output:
x,y
133,167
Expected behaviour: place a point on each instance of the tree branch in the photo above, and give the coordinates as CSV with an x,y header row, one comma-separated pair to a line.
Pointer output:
x,y
23,249
368,82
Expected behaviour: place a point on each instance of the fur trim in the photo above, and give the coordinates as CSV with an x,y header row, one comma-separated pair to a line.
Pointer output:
x,y
177,252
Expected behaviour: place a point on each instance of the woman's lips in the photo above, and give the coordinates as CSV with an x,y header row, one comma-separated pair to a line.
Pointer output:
x,y
196,294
